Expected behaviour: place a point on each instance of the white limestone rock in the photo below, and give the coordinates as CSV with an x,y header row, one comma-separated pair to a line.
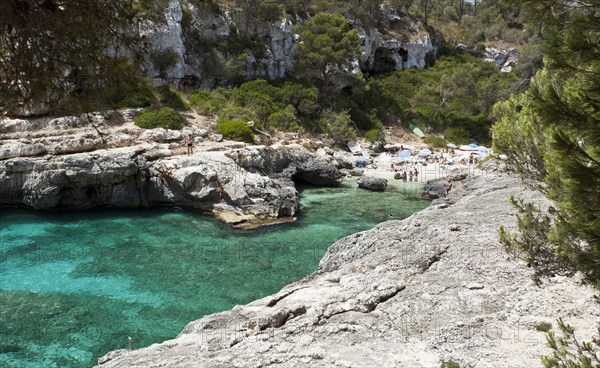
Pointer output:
x,y
396,295
21,149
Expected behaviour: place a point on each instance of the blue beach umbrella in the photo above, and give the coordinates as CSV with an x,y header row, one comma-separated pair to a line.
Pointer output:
x,y
482,149
473,144
404,154
361,159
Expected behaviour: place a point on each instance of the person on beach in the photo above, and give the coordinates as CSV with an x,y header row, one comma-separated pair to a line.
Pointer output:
x,y
189,142
448,186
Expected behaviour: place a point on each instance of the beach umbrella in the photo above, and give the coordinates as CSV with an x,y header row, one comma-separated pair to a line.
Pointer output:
x,y
482,149
404,154
424,153
362,159
451,145
473,144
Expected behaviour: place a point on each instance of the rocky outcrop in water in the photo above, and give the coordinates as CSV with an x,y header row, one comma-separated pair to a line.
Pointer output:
x,y
434,287
372,183
104,160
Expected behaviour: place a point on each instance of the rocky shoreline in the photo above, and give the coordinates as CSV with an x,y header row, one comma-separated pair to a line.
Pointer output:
x,y
104,160
434,287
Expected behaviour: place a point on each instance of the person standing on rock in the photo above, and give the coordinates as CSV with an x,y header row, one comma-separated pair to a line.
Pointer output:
x,y
448,186
239,160
189,142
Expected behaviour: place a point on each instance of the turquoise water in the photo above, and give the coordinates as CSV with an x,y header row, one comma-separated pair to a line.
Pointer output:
x,y
74,286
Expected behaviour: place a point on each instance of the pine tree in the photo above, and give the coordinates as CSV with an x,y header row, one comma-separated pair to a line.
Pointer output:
x,y
51,50
328,46
563,105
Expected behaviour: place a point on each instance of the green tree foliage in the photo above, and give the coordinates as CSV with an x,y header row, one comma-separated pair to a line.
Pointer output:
x,y
236,130
53,50
339,126
569,352
286,106
329,45
435,141
172,98
458,92
532,243
164,60
375,135
284,120
472,22
563,105
159,117
208,102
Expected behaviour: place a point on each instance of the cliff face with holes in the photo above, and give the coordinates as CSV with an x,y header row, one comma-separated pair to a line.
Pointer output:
x,y
412,293
214,44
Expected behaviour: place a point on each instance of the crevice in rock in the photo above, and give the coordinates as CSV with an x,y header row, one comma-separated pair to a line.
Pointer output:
x,y
425,265
273,302
276,320
369,305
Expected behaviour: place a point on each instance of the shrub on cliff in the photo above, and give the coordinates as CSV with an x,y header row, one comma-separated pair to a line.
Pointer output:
x,y
435,141
159,117
568,351
375,135
339,125
457,135
171,98
208,102
236,130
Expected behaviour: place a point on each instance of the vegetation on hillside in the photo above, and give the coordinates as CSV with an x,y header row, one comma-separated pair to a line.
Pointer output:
x,y
551,135
454,97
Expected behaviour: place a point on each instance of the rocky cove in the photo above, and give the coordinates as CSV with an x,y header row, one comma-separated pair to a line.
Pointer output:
x,y
434,287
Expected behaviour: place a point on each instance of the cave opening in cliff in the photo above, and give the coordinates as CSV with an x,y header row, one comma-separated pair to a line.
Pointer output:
x,y
404,55
384,61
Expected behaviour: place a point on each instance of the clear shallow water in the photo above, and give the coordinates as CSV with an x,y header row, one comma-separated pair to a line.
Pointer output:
x,y
74,286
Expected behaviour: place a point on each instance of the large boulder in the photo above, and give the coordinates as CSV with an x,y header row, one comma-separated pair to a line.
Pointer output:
x,y
316,171
372,183
434,189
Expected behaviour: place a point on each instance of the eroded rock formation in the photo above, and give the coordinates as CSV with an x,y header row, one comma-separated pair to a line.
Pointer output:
x,y
104,160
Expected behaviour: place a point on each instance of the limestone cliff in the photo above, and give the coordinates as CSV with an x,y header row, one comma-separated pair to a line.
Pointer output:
x,y
214,44
412,293
104,160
